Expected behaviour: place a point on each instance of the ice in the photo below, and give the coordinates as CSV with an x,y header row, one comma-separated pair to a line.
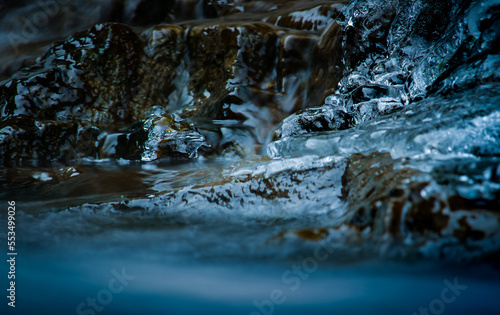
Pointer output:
x,y
401,160
438,127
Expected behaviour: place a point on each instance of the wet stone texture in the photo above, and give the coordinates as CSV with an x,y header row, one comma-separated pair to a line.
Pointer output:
x,y
399,52
231,82
410,208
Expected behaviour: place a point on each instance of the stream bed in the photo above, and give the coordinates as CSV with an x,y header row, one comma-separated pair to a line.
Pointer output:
x,y
251,157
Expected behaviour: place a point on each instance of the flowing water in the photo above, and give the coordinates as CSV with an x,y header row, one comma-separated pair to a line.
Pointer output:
x,y
251,157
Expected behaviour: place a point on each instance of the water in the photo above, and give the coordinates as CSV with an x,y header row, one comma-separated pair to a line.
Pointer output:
x,y
260,157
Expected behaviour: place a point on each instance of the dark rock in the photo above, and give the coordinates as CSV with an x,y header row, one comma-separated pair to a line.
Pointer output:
x,y
390,201
369,92
433,19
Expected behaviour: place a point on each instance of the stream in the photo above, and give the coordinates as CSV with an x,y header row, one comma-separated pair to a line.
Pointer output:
x,y
250,157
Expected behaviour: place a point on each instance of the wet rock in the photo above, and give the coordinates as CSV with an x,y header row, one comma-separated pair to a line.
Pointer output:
x,y
307,188
463,123
371,91
367,26
444,54
397,52
58,185
100,136
147,12
89,78
476,61
403,48
32,181
170,136
26,141
108,77
314,120
29,28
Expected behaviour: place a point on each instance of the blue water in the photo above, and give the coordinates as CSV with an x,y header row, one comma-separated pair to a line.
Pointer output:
x,y
56,282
